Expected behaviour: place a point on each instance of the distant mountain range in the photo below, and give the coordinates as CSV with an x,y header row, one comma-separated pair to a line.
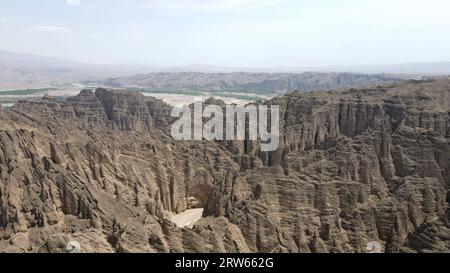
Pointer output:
x,y
19,70
246,82
426,68
26,70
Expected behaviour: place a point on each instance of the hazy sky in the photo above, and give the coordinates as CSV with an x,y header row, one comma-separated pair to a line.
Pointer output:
x,y
244,33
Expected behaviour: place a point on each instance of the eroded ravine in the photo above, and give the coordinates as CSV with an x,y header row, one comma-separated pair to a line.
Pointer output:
x,y
353,167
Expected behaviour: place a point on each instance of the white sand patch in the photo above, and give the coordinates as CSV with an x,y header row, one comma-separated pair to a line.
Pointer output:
x,y
64,92
187,218
179,100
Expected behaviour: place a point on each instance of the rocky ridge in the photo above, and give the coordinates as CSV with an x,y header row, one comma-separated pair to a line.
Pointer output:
x,y
265,83
354,166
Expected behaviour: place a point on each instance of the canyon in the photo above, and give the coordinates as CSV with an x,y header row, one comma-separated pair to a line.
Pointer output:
x,y
353,166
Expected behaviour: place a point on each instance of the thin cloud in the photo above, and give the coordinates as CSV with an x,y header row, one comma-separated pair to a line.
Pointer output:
x,y
73,2
209,5
48,29
97,36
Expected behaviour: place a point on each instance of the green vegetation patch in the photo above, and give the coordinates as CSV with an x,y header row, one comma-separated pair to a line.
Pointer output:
x,y
235,96
24,92
171,92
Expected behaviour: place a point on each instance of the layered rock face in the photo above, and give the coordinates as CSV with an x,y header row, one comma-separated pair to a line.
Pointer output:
x,y
98,170
266,83
353,167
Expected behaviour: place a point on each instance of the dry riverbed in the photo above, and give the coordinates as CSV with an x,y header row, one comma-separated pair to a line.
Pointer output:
x,y
187,218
